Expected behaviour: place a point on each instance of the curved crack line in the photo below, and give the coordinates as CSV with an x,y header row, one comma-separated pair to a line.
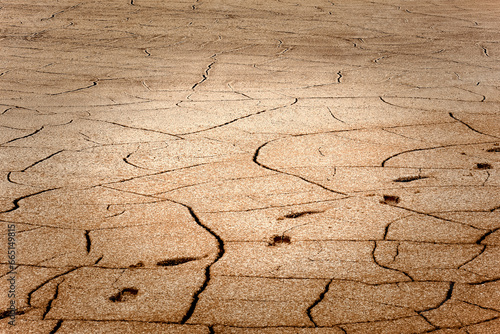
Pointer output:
x,y
49,305
40,161
60,12
436,216
456,186
374,258
483,97
236,92
274,206
494,209
388,226
470,127
403,136
481,307
94,83
317,301
431,148
36,227
134,127
487,234
205,75
9,179
238,119
19,138
152,174
331,113
464,327
434,98
483,249
80,267
485,280
17,200
131,164
487,178
428,99
87,138
448,296
440,16
485,50
218,256
12,128
255,160
183,187
30,294
44,260
88,241
56,327
393,304
340,76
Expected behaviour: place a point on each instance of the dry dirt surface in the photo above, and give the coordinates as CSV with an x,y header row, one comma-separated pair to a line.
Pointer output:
x,y
250,166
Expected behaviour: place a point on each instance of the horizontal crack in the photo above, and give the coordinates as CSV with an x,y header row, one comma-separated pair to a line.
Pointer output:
x,y
94,83
26,136
17,200
237,119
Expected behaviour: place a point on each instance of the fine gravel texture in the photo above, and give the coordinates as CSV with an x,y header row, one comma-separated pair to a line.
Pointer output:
x,y
249,166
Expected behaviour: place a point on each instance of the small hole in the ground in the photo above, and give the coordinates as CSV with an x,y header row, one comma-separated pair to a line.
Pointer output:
x,y
483,165
137,265
493,149
280,239
409,178
390,199
124,295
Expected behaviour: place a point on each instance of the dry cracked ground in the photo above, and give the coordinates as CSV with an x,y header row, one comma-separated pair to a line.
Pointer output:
x,y
279,166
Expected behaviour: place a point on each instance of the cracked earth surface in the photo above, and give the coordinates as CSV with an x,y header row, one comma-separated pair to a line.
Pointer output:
x,y
281,166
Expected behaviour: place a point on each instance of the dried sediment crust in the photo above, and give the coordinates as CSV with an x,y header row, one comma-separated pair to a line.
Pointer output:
x,y
250,167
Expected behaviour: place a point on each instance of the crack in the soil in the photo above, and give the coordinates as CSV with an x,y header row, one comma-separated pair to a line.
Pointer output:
x,y
470,127
136,128
49,304
30,294
431,148
94,83
218,256
238,119
317,301
374,258
17,200
88,241
205,75
56,327
60,12
26,136
256,161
